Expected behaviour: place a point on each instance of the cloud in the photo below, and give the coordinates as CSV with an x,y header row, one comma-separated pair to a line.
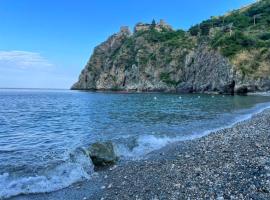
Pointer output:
x,y
24,69
23,60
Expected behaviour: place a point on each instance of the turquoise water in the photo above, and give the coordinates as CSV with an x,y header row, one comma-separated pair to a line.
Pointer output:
x,y
43,132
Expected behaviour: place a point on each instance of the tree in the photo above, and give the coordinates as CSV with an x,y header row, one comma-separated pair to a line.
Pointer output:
x,y
153,24
230,27
195,30
205,28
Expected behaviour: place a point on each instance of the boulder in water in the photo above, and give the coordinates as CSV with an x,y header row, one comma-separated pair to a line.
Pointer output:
x,y
102,154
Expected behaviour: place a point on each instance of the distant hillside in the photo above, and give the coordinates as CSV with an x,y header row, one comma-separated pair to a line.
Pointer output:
x,y
243,36
225,54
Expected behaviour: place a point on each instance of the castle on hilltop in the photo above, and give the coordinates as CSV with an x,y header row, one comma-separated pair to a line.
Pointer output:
x,y
157,26
162,25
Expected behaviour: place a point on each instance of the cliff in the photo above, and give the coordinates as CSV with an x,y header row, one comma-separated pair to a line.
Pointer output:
x,y
224,54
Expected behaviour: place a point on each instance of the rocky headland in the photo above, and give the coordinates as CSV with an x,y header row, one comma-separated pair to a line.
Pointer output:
x,y
226,54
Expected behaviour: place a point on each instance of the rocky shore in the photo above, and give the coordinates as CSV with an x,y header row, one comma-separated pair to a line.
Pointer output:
x,y
232,163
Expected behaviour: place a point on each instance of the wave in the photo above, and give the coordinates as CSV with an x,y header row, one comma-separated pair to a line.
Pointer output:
x,y
143,145
77,168
137,148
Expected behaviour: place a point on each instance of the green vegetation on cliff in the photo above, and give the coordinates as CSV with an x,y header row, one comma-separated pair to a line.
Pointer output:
x,y
239,34
220,54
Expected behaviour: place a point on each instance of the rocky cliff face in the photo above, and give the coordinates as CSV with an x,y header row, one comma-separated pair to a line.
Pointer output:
x,y
157,58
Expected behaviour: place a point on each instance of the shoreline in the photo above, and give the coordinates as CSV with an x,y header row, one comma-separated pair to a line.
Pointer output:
x,y
173,91
206,167
231,163
153,92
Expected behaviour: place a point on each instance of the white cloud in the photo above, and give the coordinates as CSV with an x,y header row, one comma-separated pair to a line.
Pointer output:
x,y
23,60
24,69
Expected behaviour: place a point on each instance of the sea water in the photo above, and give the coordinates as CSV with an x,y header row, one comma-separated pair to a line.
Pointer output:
x,y
43,132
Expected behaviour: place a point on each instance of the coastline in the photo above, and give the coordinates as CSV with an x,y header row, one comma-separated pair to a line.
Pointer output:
x,y
231,163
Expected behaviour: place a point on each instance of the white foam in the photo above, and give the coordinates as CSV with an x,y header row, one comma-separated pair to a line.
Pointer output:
x,y
73,170
79,167
149,143
146,144
267,94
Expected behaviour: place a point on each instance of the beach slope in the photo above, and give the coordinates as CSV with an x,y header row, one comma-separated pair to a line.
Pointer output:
x,y
232,163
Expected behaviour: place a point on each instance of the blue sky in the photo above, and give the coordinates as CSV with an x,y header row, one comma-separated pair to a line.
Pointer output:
x,y
45,44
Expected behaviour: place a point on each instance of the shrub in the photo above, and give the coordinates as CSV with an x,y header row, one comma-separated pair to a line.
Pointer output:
x,y
264,36
165,77
194,30
205,27
230,45
163,36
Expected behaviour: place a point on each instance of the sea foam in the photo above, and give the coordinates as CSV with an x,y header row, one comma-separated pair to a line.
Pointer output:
x,y
145,144
77,168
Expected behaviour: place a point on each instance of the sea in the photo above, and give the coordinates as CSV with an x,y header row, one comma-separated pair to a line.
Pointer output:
x,y
44,133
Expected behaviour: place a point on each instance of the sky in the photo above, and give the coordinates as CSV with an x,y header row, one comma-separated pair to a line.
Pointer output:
x,y
46,44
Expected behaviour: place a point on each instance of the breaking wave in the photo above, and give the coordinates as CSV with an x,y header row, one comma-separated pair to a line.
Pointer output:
x,y
76,168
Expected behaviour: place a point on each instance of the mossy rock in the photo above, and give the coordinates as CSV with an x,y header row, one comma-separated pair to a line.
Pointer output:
x,y
102,154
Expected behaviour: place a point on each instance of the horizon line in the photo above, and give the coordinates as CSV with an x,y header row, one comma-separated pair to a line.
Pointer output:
x,y
26,88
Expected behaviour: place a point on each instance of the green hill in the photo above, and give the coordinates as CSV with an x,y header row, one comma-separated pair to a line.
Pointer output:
x,y
224,54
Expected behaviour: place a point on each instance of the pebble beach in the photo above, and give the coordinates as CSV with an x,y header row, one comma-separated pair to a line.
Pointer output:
x,y
232,163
